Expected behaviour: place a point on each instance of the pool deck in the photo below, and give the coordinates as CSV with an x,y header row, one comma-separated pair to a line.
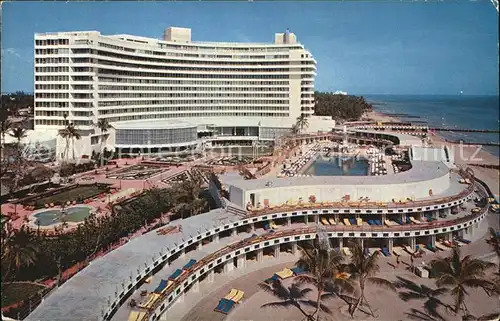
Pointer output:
x,y
420,171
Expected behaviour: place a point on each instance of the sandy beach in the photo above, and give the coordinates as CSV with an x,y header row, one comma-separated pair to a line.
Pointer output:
x,y
465,155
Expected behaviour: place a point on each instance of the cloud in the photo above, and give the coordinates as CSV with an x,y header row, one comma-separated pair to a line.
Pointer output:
x,y
24,54
11,51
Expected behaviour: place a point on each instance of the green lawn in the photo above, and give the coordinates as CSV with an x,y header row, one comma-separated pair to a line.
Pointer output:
x,y
79,193
16,292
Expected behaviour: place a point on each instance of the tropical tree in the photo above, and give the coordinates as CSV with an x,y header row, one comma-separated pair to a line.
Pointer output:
x,y
363,270
340,107
187,195
69,133
457,274
18,250
15,168
291,296
295,129
301,123
5,126
494,241
324,267
103,126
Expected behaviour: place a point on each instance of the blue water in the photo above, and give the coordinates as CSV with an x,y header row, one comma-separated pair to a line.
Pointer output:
x,y
338,166
473,112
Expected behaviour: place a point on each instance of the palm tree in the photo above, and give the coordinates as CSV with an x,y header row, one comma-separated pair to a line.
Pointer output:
x,y
494,241
70,133
457,274
291,296
104,126
302,123
18,249
5,125
323,266
363,270
187,194
18,133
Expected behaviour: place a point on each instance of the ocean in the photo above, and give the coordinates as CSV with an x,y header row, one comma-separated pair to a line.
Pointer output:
x,y
464,112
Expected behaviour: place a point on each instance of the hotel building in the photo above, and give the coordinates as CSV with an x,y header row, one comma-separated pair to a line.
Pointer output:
x,y
171,93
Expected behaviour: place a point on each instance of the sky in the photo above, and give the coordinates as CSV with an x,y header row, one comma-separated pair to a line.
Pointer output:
x,y
365,48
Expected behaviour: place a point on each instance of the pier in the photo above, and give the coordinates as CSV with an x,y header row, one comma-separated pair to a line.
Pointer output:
x,y
487,131
472,143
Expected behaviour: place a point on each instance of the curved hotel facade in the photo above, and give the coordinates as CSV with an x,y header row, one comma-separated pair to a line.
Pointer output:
x,y
155,93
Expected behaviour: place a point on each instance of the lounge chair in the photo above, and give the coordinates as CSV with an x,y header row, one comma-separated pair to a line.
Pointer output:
x,y
431,248
273,226
285,273
371,222
237,298
441,247
408,249
359,221
175,275
189,264
324,221
399,221
448,243
150,301
224,306
342,275
297,270
366,252
332,221
461,239
387,222
397,250
346,251
136,315
164,284
378,222
231,294
385,251
272,279
413,220
352,221
346,222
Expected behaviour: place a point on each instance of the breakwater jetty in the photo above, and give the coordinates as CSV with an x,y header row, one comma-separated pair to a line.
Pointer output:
x,y
465,130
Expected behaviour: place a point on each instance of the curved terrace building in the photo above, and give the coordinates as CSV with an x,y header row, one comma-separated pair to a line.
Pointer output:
x,y
232,93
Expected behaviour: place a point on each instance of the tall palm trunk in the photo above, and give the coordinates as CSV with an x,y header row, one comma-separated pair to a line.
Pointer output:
x,y
73,146
362,299
102,152
66,150
318,299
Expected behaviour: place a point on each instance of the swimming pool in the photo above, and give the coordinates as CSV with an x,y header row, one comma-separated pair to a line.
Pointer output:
x,y
54,216
338,166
